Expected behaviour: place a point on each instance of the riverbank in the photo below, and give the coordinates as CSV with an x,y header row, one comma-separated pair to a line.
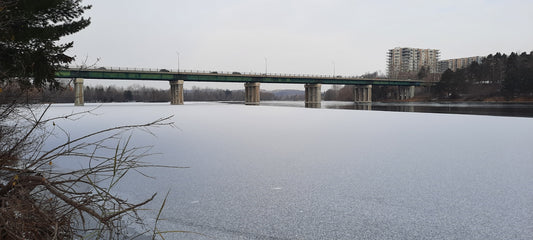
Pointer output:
x,y
466,100
502,109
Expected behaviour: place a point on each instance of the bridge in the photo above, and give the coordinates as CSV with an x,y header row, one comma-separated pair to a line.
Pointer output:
x,y
252,81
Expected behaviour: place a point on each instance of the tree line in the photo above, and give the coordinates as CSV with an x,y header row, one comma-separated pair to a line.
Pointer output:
x,y
498,75
65,94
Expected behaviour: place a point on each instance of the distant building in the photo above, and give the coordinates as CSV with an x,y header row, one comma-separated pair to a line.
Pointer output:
x,y
406,62
457,63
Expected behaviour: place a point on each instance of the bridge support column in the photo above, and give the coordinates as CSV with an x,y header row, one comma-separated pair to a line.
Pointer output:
x,y
252,93
78,92
405,93
402,93
362,93
313,95
176,92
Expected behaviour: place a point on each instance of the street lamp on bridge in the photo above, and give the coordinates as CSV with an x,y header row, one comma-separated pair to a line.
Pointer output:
x,y
333,68
266,66
178,54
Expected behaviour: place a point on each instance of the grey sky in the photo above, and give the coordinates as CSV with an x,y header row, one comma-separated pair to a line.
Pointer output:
x,y
296,36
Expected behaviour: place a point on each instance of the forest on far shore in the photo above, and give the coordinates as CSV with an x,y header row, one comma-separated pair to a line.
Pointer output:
x,y
499,75
138,93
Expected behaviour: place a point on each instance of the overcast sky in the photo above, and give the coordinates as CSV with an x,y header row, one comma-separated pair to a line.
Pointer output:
x,y
295,36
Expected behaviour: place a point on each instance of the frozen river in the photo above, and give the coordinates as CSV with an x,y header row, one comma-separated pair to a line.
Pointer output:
x,y
267,172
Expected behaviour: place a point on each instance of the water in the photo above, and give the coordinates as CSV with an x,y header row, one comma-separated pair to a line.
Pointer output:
x,y
268,172
490,109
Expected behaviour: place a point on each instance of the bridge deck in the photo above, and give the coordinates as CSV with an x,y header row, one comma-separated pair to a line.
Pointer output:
x,y
155,75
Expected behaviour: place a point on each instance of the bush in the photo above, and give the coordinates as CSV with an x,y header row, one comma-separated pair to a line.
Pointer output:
x,y
39,201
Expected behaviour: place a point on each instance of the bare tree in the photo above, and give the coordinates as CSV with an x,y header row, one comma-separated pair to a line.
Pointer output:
x,y
39,201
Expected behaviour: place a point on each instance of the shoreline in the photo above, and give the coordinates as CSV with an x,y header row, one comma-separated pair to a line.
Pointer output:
x,y
498,100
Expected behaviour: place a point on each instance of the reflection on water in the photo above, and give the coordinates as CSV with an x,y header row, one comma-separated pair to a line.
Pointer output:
x,y
492,109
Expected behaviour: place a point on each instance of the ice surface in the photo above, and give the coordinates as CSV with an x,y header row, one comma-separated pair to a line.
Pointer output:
x,y
265,172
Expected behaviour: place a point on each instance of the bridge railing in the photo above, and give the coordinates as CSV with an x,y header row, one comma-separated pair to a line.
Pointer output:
x,y
164,70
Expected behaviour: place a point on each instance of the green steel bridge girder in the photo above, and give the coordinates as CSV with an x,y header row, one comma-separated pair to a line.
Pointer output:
x,y
215,77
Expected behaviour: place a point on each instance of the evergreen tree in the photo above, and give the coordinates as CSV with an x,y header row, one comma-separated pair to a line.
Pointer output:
x,y
511,84
529,72
29,32
422,73
448,85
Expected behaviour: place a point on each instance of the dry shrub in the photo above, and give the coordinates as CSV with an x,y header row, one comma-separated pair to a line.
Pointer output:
x,y
40,202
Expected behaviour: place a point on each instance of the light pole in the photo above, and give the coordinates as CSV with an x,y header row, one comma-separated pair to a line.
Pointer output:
x,y
266,66
333,68
178,54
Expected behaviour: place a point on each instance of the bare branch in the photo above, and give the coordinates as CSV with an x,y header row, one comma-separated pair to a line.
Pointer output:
x,y
58,199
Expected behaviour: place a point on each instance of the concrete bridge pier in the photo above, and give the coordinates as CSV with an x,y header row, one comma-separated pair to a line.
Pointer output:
x,y
412,92
252,93
401,93
405,93
78,92
176,92
363,93
313,95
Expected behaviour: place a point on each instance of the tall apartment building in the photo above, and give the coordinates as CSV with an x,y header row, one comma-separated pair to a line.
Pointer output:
x,y
457,63
406,62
